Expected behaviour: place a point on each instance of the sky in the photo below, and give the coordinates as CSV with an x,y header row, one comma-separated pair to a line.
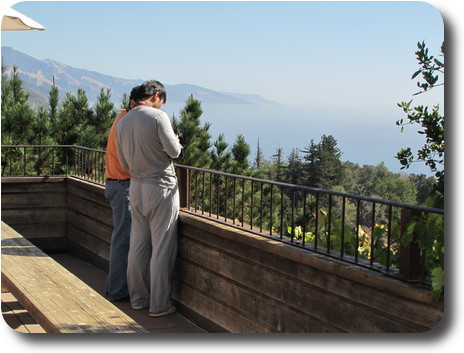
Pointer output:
x,y
334,55
299,53
339,68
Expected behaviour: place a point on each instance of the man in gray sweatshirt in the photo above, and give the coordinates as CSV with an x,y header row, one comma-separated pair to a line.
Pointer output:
x,y
146,144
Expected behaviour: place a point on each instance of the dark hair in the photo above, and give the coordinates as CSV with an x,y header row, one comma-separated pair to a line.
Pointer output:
x,y
135,93
149,88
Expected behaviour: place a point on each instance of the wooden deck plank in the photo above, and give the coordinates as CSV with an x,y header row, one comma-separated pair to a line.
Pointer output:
x,y
56,299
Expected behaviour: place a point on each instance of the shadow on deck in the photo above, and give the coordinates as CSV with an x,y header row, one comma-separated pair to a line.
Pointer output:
x,y
18,318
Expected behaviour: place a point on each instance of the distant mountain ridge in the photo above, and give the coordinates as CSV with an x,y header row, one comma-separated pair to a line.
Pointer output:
x,y
38,76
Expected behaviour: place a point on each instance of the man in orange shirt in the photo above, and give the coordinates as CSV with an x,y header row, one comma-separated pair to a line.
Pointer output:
x,y
117,193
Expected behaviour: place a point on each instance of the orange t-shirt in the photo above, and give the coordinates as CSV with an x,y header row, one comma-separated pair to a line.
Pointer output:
x,y
113,169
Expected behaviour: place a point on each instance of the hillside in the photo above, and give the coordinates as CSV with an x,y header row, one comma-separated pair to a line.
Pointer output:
x,y
38,76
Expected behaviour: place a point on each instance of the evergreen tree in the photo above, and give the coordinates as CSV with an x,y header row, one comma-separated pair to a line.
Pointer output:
x,y
7,102
41,127
194,138
68,122
311,171
17,115
53,101
323,166
105,113
277,171
240,153
220,156
258,163
331,167
125,101
76,122
6,93
293,172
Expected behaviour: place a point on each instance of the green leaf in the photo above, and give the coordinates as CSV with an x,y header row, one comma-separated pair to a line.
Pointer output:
x,y
415,74
438,282
408,234
437,62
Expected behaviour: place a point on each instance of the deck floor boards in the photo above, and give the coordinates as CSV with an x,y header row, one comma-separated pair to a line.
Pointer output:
x,y
18,318
95,278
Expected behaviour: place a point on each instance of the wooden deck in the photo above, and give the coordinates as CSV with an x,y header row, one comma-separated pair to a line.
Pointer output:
x,y
66,295
19,319
95,278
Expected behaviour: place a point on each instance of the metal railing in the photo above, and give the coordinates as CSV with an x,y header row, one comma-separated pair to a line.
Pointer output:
x,y
361,230
54,160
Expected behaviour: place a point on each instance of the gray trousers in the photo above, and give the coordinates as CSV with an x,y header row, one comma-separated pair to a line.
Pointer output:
x,y
153,244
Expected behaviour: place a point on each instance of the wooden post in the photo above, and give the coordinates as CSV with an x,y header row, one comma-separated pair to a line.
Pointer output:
x,y
183,182
410,263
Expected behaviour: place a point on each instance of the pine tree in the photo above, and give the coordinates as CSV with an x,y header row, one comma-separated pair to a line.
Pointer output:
x,y
259,159
6,90
17,115
311,175
323,167
330,164
75,122
277,171
294,170
105,113
195,138
220,156
40,129
7,101
125,101
53,101
240,153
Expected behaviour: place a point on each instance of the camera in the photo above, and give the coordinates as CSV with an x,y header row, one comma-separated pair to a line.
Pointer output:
x,y
180,135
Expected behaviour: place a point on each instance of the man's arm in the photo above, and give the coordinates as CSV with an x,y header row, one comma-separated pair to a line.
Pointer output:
x,y
167,136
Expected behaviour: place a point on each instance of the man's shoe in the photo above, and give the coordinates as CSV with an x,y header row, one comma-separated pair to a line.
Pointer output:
x,y
170,311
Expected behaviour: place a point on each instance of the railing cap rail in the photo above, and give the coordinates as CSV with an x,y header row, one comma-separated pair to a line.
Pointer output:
x,y
68,146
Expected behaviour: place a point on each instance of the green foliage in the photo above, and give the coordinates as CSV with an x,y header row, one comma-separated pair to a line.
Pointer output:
x,y
68,122
428,229
438,282
220,156
339,236
277,169
323,168
292,173
395,189
194,136
17,116
432,123
240,153
259,159
105,113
